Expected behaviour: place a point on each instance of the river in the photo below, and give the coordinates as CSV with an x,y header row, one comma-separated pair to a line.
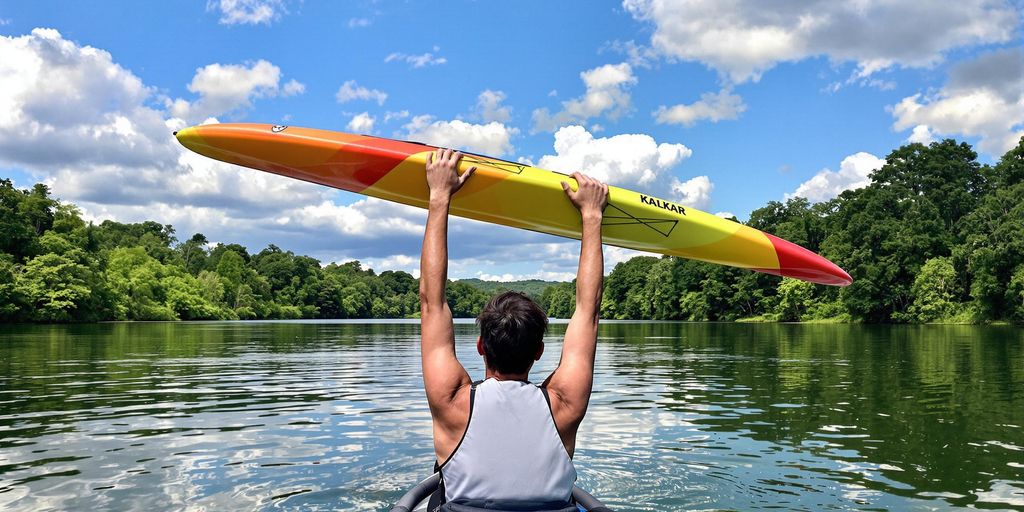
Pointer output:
x,y
684,416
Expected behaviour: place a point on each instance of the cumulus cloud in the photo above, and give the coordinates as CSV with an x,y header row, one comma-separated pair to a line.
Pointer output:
x,y
627,160
853,173
983,97
607,94
713,107
921,134
489,107
61,103
361,123
695,192
248,12
293,87
742,39
226,88
418,61
75,119
350,91
493,138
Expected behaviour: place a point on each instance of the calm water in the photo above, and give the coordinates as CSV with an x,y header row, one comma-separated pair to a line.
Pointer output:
x,y
331,416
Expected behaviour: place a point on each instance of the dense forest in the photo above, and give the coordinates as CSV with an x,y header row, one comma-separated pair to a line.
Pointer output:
x,y
935,237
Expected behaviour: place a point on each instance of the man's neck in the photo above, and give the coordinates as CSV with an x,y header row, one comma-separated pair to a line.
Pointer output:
x,y
491,374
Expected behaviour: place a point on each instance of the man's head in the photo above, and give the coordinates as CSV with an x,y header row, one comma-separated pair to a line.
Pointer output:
x,y
511,333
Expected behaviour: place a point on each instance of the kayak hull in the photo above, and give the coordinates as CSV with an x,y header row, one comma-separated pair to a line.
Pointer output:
x,y
506,193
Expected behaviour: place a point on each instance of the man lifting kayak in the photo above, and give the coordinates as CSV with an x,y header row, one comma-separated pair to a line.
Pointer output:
x,y
504,443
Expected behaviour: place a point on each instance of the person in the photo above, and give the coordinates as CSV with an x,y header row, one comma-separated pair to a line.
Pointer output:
x,y
503,443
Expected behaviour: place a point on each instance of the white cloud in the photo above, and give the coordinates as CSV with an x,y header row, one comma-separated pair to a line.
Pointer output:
x,y
65,104
695,192
401,114
853,173
713,107
361,123
358,22
544,275
725,215
418,61
607,94
225,88
627,160
493,138
366,218
921,134
636,55
742,39
489,107
249,12
983,98
293,87
350,90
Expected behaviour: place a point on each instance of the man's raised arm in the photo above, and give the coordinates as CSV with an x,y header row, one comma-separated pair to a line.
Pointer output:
x,y
572,381
443,375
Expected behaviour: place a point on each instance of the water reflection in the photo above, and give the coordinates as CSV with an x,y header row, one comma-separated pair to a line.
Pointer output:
x,y
331,416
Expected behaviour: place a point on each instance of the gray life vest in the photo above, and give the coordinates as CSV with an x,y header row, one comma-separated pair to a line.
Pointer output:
x,y
511,455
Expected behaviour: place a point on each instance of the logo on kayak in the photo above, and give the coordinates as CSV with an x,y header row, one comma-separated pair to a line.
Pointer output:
x,y
618,216
278,128
662,204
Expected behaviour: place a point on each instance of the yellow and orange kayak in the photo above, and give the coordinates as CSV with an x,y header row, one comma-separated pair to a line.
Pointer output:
x,y
506,193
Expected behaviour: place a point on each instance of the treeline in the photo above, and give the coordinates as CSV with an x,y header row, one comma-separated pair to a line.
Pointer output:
x,y
935,237
55,267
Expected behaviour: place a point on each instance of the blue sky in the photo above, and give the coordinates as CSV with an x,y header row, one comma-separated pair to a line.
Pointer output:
x,y
720,105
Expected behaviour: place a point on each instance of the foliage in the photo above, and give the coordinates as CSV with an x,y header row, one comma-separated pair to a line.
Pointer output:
x,y
933,292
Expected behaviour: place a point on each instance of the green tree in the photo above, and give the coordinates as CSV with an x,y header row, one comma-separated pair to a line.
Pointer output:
x,y
559,301
24,216
136,280
193,254
465,300
56,288
623,288
10,301
1015,296
934,292
794,299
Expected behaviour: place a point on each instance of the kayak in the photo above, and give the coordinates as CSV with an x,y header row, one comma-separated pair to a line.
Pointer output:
x,y
503,192
415,499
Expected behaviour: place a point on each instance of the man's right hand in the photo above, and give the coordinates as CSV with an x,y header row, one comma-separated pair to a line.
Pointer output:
x,y
443,178
590,196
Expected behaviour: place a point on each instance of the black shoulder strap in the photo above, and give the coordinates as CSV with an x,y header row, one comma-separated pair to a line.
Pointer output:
x,y
437,498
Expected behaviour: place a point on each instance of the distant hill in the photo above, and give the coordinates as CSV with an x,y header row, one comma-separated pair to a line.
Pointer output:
x,y
532,287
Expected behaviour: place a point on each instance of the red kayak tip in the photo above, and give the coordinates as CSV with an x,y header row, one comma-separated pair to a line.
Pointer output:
x,y
799,263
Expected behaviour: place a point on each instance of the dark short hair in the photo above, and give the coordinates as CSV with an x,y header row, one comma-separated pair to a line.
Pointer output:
x,y
512,328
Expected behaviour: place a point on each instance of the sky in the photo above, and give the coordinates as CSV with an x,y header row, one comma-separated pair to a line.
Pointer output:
x,y
719,105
